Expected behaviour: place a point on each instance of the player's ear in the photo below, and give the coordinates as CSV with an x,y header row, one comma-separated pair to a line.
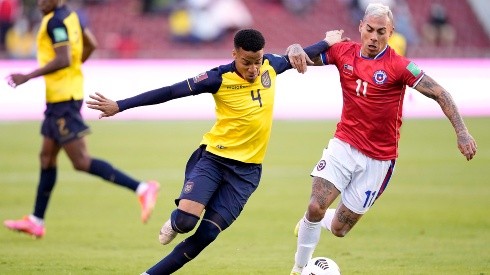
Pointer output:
x,y
234,53
360,26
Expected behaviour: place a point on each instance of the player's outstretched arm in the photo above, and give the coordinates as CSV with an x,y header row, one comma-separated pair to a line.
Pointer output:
x,y
430,88
106,106
61,60
300,58
156,96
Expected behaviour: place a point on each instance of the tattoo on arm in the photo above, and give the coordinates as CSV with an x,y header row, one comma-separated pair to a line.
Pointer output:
x,y
427,87
432,89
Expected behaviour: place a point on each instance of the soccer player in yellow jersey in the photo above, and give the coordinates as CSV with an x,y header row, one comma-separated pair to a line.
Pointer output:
x,y
225,170
63,44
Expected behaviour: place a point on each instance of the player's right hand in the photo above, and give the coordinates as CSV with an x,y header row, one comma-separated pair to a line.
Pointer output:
x,y
106,106
15,80
335,36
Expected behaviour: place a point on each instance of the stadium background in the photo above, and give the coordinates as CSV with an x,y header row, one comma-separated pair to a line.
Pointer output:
x,y
432,220
139,50
152,24
282,27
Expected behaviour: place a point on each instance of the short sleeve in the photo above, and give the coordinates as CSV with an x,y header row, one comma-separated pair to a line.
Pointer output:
x,y
410,72
330,56
57,31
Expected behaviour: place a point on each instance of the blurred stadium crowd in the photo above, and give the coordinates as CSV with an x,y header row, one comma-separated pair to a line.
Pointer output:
x,y
204,28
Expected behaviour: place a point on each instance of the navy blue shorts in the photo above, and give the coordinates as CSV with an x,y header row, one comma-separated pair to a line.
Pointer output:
x,y
63,121
222,185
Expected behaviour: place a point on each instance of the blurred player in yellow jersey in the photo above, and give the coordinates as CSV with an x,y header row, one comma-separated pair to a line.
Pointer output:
x,y
398,42
225,170
63,44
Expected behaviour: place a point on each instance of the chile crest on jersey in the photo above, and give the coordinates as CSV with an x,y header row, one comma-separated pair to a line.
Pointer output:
x,y
380,77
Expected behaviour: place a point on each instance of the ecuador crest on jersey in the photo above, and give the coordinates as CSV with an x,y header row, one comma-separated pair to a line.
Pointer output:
x,y
266,79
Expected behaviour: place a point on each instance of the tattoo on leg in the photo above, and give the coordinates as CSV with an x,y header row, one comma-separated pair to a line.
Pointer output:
x,y
345,218
321,191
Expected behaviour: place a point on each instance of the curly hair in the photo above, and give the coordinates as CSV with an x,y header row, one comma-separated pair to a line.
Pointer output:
x,y
249,40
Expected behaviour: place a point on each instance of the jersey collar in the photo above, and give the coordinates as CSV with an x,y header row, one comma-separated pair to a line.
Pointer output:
x,y
380,54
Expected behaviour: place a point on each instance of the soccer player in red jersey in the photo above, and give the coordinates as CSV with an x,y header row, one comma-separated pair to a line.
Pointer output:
x,y
359,160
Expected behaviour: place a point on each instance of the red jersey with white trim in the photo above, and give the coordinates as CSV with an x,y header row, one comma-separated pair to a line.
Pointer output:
x,y
373,90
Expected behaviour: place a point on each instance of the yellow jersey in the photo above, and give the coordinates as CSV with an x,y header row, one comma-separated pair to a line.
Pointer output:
x,y
243,116
398,43
61,27
243,109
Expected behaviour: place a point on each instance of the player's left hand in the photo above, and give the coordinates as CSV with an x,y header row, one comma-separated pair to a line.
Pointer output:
x,y
466,144
106,106
334,37
298,58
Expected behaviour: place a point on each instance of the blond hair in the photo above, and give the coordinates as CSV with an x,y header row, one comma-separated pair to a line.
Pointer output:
x,y
378,9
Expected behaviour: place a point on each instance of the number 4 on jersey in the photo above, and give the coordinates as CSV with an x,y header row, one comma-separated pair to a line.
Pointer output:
x,y
256,97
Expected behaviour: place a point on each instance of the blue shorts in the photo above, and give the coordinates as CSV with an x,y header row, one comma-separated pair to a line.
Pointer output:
x,y
222,185
63,121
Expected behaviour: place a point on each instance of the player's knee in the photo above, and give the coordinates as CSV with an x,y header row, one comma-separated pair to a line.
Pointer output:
x,y
78,166
315,212
81,164
183,222
47,160
339,232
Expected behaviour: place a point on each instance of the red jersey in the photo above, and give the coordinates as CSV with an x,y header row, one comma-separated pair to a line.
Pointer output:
x,y
373,90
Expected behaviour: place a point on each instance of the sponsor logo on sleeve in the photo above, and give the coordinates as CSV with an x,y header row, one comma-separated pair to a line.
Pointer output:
x,y
414,69
200,77
60,35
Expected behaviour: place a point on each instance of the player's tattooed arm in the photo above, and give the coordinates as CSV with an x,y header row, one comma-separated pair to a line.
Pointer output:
x,y
430,88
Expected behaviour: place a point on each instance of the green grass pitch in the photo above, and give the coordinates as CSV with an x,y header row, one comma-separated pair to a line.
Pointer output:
x,y
432,219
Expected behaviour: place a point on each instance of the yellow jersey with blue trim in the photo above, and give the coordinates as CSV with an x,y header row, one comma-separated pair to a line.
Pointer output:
x,y
58,28
244,110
